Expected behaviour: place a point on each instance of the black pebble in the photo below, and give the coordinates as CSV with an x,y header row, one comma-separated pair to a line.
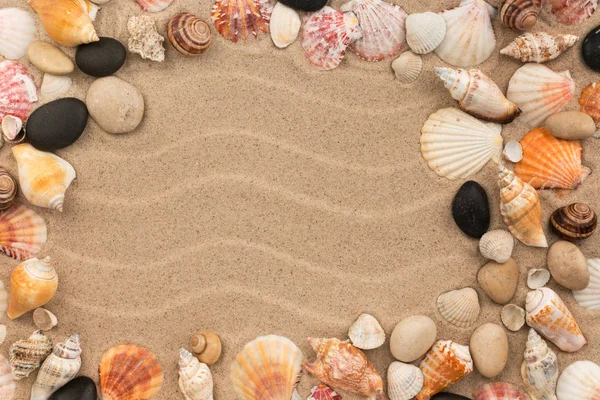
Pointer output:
x,y
449,396
305,5
591,49
471,209
80,388
102,58
57,124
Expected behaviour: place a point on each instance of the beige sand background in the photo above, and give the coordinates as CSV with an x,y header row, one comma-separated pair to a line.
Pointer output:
x,y
262,196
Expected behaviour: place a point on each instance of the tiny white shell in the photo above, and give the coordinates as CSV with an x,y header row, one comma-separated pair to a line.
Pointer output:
x,y
513,317
513,151
497,245
11,126
424,32
44,319
579,381
459,307
590,297
54,86
366,333
537,278
285,25
407,67
405,381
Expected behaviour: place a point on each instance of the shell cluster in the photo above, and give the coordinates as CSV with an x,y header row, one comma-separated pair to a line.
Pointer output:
x,y
60,367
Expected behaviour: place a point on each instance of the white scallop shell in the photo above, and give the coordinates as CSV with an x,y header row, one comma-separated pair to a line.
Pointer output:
x,y
459,307
470,38
3,299
513,317
408,67
54,86
17,31
366,333
425,32
579,381
590,297
2,334
405,381
285,25
457,145
513,151
7,383
497,245
537,278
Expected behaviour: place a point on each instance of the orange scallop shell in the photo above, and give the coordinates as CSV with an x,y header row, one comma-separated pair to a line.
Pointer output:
x,y
590,102
235,19
22,232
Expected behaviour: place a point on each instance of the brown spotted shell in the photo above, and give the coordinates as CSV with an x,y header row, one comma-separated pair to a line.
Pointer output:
x,y
573,222
520,15
8,189
189,34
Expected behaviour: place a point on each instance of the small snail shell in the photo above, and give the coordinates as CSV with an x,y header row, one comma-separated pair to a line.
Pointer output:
x,y
189,34
8,189
573,222
206,347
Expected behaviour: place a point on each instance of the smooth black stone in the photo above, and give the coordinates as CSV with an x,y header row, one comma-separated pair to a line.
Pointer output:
x,y
471,209
591,49
449,396
80,388
305,5
102,58
57,124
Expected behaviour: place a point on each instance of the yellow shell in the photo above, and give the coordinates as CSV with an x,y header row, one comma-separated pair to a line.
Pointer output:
x,y
33,283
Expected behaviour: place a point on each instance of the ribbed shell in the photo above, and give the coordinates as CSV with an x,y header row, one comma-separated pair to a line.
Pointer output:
x,y
408,67
154,5
540,368
456,145
513,317
323,392
27,355
497,245
366,333
520,15
3,302
195,379
33,283
59,368
459,307
22,232
537,278
17,31
425,32
7,384
579,381
3,331
573,222
539,47
189,34
17,90
405,381
285,25
499,391
590,297
590,103
54,87
571,12
241,19
8,189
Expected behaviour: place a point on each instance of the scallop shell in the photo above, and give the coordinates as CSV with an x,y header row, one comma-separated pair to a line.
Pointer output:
x,y
513,151
539,47
537,278
459,307
590,103
499,391
456,145
68,22
22,232
520,15
195,379
59,368
513,317
44,319
590,297
383,27
285,25
323,392
3,302
497,245
154,5
206,346
129,372
7,384
326,35
579,381
445,364
17,31
425,32
3,332
571,12
189,34
12,129
235,19
539,92
405,381
17,90
144,39
27,355
549,162
54,86
573,222
8,188
44,177
268,366
407,67
470,38
540,368
521,209
33,283
366,333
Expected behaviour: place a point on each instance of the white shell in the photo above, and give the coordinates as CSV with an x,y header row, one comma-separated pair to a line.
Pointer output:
x,y
366,333
513,317
2,334
513,151
470,38
537,278
285,25
425,32
405,381
590,297
538,47
457,145
3,300
497,245
11,126
44,319
54,86
539,92
579,381
195,379
459,307
17,31
540,368
407,67
7,383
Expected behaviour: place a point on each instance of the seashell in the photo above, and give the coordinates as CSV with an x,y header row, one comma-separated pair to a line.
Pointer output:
x,y
425,32
513,151
540,368
33,283
366,333
144,39
383,26
343,366
12,129
579,381
17,90
590,103
17,31
44,177
408,67
573,222
323,392
3,300
27,355
128,371
7,383
405,381
478,95
590,297
520,15
497,245
285,25
537,278
445,364
470,38
459,307
456,145
513,317
326,35
571,12
547,314
549,162
499,391
189,34
22,232
206,346
54,86
521,209
269,365
3,332
44,319
539,47
8,188
235,19
154,5
68,22
539,92
195,379
59,368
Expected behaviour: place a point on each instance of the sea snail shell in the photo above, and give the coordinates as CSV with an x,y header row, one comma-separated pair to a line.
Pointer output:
x,y
520,15
189,34
206,347
8,189
573,222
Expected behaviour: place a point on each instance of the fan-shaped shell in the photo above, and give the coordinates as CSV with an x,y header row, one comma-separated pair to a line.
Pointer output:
x,y
459,307
579,381
513,151
499,391
17,31
366,333
195,379
520,15
539,47
590,297
17,90
408,67
8,187
285,25
497,245
235,19
7,384
59,368
405,381
54,86
22,232
571,12
3,302
513,317
27,355
537,278
425,32
539,92
33,283
573,222
129,372
323,392
154,5
189,34
540,368
456,145
470,38
590,103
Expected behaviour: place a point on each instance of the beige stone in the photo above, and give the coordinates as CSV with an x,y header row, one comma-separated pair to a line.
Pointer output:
x,y
489,349
568,265
499,281
48,58
571,125
412,337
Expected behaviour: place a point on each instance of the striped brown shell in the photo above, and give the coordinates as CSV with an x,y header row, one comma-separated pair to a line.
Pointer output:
x,y
573,222
189,34
8,189
520,15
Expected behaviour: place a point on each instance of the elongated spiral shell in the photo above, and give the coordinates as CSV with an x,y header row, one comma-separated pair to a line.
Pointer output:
x,y
195,379
189,34
27,355
540,368
539,47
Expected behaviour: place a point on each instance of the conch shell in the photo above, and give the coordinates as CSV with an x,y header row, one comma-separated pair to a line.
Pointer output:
x,y
26,355
195,379
540,368
33,283
539,47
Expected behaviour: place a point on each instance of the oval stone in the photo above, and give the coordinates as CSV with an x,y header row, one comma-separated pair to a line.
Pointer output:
x,y
471,209
448,396
568,265
305,5
101,58
571,125
48,58
412,337
499,281
590,49
489,349
57,124
80,388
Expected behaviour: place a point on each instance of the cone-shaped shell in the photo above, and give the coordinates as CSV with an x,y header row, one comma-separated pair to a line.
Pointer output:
x,y
285,25
323,392
241,19
129,372
571,12
366,333
539,47
579,381
513,317
425,32
189,34
7,384
27,355
499,391
405,381
33,283
537,278
590,297
407,67
540,368
8,188
154,5
59,368
459,307
520,15
497,245
44,177
17,90
195,379
573,222
590,103
22,232
17,31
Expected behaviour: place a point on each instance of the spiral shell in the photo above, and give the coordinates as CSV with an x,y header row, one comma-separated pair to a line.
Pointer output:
x,y
520,15
8,189
539,47
27,355
195,379
33,283
573,222
540,368
206,346
189,34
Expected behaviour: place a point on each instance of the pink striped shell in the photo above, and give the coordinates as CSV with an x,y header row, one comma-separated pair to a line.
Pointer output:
x,y
154,5
17,90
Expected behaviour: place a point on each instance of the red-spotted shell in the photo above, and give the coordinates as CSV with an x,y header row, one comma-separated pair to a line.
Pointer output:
x,y
571,12
17,90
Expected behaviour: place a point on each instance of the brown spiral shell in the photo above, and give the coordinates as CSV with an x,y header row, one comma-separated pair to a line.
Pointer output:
x,y
575,221
520,15
8,189
189,34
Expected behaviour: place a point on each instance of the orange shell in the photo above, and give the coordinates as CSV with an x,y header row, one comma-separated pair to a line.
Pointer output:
x,y
33,283
241,18
549,162
22,232
590,102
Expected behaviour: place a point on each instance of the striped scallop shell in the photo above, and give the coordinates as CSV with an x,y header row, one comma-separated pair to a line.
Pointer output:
x,y
22,232
154,5
579,381
590,296
459,307
3,331
520,15
590,103
7,384
54,86
241,19
189,34
497,245
17,90
405,381
425,32
285,25
408,67
539,47
27,355
499,391
323,392
366,333
571,12
17,31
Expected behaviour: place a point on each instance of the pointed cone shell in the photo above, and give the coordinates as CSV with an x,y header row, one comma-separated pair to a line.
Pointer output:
x,y
22,232
285,25
129,372
44,319
7,384
195,379
540,368
459,307
54,86
521,209
520,15
27,355
407,67
513,151
33,283
241,19
579,381
3,300
405,381
497,245
267,368
537,278
189,34
571,12
456,145
539,92
323,392
17,90
59,368
366,333
590,103
590,297
43,177
425,32
154,5
17,31
538,47
499,391
513,317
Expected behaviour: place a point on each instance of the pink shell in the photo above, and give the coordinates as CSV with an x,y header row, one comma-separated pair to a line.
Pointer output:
x,y
17,90
154,5
235,19
384,29
571,12
326,36
499,391
323,392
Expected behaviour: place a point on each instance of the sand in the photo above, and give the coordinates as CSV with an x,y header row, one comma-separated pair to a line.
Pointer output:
x,y
261,196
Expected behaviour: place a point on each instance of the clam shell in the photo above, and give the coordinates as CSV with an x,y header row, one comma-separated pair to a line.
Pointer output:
x,y
44,319
195,379
425,32
540,368
408,67
366,333
22,232
497,245
68,22
579,381
573,222
537,278
520,15
207,347
154,5
17,90
405,381
513,317
285,25
8,188
590,297
12,129
33,283
241,19
590,103
572,12
144,39
59,368
17,31
459,307
7,384
513,151
189,34
499,391
54,86
27,355
539,47
323,392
